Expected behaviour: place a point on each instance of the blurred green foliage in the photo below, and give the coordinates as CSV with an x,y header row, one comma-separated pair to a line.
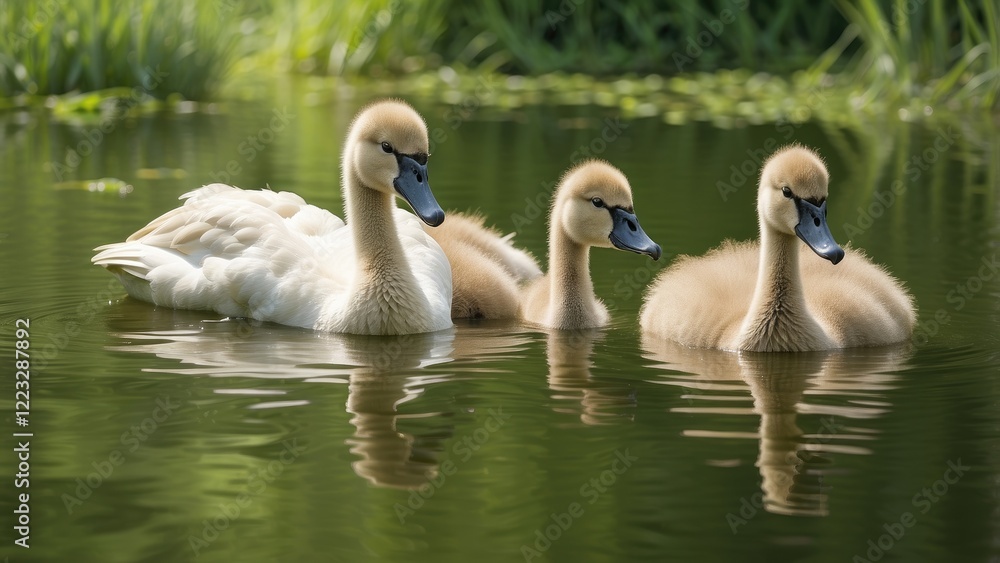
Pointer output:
x,y
534,37
160,47
934,50
931,50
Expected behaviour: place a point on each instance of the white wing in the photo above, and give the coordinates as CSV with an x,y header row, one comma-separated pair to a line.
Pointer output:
x,y
257,254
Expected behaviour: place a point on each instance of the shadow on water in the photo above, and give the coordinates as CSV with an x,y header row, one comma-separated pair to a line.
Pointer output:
x,y
382,374
792,462
570,356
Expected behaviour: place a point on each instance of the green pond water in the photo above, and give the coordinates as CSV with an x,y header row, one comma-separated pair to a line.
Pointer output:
x,y
161,435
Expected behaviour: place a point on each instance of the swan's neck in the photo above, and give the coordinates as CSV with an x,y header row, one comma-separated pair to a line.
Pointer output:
x,y
385,295
571,291
778,319
376,241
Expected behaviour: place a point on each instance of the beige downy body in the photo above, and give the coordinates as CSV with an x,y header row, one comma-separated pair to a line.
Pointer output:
x,y
776,294
564,298
486,268
492,279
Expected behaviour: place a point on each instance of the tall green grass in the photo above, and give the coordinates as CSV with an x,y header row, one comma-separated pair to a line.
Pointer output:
x,y
897,50
620,36
532,37
159,46
347,37
931,50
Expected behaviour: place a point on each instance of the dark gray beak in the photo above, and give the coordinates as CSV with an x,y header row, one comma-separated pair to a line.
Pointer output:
x,y
413,185
813,230
626,234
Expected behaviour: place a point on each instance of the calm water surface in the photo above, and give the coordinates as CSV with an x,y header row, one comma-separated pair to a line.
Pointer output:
x,y
165,435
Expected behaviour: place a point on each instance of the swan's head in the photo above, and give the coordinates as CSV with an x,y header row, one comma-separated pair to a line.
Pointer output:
x,y
792,199
593,206
387,150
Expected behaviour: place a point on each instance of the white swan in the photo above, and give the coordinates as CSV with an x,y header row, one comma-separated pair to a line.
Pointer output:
x,y
271,256
759,297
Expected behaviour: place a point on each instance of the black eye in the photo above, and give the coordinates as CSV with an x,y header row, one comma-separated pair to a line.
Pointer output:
x,y
786,191
386,147
598,202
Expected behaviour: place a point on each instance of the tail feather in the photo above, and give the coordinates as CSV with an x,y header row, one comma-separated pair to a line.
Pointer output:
x,y
122,257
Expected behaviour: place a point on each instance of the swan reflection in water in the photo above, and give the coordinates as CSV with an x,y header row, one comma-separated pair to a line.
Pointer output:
x,y
843,387
569,355
387,377
381,372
